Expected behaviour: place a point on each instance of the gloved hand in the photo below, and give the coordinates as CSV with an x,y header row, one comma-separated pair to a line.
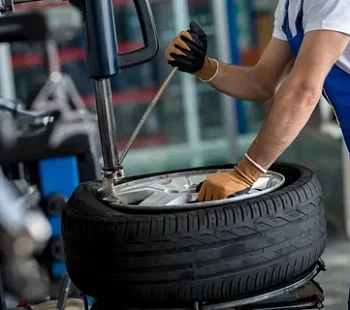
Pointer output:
x,y
187,51
222,185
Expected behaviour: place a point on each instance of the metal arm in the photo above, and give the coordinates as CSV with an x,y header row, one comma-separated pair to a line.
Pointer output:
x,y
102,59
104,62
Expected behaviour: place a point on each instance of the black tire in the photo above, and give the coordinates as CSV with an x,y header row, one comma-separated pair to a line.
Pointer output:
x,y
207,254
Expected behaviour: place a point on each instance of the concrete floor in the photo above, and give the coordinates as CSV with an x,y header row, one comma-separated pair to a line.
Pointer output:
x,y
336,280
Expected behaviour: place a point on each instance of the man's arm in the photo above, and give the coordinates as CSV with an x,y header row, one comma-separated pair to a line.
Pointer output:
x,y
296,99
187,51
257,83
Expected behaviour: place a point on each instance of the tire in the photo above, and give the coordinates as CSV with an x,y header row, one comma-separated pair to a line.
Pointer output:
x,y
205,254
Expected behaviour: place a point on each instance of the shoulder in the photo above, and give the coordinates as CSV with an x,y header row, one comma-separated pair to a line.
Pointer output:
x,y
327,15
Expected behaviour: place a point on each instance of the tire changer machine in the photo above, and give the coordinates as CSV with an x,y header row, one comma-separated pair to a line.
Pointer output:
x,y
62,152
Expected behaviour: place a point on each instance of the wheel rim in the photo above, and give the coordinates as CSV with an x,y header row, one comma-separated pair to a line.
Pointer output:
x,y
175,191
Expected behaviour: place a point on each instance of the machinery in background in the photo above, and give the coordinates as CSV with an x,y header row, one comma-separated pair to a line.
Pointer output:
x,y
24,232
51,143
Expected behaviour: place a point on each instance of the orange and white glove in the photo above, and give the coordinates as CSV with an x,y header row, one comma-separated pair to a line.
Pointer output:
x,y
221,185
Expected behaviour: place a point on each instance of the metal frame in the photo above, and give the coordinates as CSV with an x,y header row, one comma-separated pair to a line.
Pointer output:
x,y
189,87
64,169
7,80
231,14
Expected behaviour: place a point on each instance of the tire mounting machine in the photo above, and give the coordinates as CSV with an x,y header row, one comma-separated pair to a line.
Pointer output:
x,y
104,62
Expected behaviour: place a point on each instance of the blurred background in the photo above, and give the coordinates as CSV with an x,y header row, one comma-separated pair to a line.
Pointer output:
x,y
193,125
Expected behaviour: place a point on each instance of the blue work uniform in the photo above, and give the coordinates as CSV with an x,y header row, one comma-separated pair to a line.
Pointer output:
x,y
337,85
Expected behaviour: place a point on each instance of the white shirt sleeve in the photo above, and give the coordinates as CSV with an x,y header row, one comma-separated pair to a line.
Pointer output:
x,y
327,15
279,19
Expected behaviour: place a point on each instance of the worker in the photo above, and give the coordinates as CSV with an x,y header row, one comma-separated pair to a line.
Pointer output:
x,y
314,36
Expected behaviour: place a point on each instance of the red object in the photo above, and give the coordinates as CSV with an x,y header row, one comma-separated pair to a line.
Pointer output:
x,y
66,55
23,302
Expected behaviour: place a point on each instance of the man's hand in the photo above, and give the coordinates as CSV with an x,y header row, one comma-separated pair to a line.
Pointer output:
x,y
187,51
222,185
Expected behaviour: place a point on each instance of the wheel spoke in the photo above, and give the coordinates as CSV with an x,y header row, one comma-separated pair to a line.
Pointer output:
x,y
166,199
168,188
187,182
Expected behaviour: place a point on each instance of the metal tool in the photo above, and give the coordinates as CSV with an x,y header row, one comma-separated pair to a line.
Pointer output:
x,y
108,134
104,62
64,292
108,130
147,113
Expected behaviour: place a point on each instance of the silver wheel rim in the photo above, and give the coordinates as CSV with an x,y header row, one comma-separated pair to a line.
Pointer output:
x,y
177,191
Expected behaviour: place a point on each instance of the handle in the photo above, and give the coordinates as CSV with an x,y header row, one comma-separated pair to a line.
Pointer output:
x,y
150,38
101,39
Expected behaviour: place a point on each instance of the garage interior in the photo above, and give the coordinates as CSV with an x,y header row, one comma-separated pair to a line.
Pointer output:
x,y
69,104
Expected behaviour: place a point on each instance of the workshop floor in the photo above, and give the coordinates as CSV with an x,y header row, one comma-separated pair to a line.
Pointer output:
x,y
336,280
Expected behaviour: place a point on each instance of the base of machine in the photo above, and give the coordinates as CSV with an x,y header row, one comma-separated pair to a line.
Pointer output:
x,y
300,294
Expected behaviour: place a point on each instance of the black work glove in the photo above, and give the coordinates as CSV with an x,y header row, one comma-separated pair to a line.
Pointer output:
x,y
187,51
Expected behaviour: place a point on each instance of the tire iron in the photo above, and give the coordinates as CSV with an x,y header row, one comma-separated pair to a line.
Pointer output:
x,y
147,113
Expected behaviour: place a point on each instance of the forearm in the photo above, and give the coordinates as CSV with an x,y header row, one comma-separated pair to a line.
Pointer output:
x,y
241,83
289,113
